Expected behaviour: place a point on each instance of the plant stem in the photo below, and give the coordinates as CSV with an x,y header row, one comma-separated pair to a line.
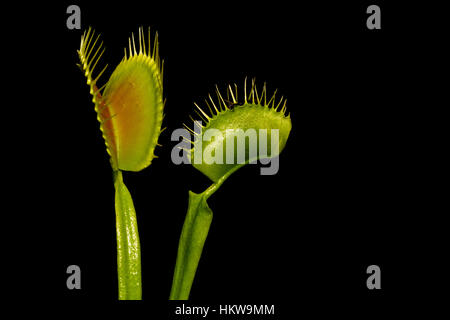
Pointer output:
x,y
193,235
128,245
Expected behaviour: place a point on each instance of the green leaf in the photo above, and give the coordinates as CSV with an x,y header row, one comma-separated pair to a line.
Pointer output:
x,y
128,245
252,124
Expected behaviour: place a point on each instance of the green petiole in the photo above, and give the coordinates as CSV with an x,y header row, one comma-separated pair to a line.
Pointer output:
x,y
128,245
193,236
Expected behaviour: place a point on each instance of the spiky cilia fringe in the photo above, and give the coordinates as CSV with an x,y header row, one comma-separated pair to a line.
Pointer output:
x,y
147,52
89,54
220,105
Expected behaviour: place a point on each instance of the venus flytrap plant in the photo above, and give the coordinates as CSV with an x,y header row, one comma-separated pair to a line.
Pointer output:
x,y
129,108
226,117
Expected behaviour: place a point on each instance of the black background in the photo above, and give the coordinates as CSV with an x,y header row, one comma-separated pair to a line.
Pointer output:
x,y
343,199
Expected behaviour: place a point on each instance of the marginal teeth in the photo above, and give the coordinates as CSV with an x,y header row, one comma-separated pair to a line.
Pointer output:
x,y
90,54
251,99
224,105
